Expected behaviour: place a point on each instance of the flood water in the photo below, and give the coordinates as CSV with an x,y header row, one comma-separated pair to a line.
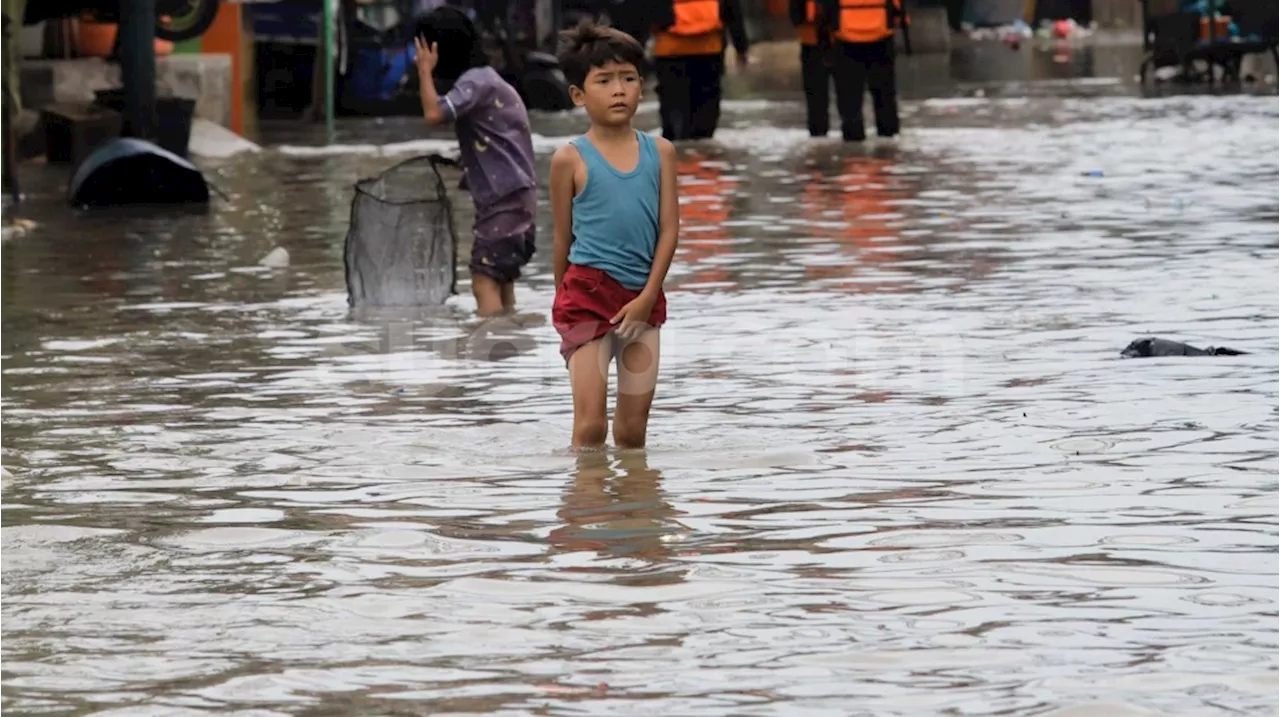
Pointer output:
x,y
896,464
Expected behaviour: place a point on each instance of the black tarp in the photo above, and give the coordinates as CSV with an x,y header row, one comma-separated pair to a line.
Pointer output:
x,y
126,170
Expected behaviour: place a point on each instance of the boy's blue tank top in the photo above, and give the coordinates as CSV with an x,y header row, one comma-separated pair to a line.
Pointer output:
x,y
615,217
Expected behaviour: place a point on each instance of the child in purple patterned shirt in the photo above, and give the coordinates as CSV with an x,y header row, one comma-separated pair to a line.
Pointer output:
x,y
496,145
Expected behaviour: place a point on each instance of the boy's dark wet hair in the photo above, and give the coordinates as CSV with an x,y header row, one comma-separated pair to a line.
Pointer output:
x,y
458,42
590,45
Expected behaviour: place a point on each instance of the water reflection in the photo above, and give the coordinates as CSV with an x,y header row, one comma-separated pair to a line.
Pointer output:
x,y
706,186
895,463
850,202
615,507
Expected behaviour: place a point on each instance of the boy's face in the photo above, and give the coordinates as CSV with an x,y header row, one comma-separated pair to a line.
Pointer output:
x,y
610,93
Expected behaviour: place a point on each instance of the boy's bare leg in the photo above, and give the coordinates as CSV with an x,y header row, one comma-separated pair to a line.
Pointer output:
x,y
488,293
509,296
637,379
589,377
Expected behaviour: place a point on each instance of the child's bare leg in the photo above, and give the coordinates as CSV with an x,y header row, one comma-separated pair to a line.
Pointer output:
x,y
589,377
509,296
488,293
637,379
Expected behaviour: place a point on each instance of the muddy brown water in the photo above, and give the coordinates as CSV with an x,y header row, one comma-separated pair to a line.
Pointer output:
x,y
896,464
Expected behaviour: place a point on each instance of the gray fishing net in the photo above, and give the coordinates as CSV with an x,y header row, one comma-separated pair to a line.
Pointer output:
x,y
401,247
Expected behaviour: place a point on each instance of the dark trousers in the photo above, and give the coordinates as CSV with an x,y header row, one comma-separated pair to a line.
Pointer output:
x,y
866,65
689,95
815,76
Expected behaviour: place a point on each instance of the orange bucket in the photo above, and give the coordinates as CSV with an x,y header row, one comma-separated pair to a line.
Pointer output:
x,y
95,39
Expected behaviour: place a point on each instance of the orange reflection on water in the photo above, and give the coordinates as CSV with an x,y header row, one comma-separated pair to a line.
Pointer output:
x,y
704,208
849,201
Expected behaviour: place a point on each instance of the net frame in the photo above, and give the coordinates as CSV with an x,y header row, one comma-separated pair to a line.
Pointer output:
x,y
381,195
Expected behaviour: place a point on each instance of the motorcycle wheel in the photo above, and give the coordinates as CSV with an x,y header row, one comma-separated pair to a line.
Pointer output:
x,y
546,89
188,19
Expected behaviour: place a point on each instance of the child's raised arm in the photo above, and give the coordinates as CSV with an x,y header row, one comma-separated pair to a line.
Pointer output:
x,y
425,59
563,165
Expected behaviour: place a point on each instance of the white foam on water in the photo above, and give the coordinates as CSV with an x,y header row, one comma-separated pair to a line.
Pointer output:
x,y
448,147
277,258
214,141
78,345
326,150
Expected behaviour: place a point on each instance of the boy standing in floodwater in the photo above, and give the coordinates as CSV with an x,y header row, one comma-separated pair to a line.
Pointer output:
x,y
613,196
496,145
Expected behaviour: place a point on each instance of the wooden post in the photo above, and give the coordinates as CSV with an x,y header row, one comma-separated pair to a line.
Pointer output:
x,y
138,66
8,132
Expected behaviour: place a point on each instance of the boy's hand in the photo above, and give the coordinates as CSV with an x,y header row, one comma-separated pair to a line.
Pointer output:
x,y
425,56
634,318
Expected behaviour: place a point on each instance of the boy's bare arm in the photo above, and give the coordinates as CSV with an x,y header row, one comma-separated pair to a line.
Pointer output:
x,y
563,164
431,111
668,219
425,59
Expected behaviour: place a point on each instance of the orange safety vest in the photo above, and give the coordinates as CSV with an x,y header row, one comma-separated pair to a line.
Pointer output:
x,y
704,208
698,30
872,15
865,20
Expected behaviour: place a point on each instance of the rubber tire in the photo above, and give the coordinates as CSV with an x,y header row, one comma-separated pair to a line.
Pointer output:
x,y
546,89
206,12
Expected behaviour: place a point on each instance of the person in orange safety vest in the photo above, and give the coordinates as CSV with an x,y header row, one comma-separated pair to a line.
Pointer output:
x,y
688,50
860,33
815,64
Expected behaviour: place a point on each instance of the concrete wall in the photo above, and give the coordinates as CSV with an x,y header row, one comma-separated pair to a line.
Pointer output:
x,y
1118,13
995,12
206,78
231,34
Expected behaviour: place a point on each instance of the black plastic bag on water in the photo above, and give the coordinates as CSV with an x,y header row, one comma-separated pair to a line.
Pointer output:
x,y
401,247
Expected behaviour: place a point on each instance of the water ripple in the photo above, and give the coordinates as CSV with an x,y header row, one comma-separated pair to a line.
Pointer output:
x,y
896,464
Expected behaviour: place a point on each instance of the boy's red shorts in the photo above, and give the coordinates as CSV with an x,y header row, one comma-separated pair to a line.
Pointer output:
x,y
585,302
